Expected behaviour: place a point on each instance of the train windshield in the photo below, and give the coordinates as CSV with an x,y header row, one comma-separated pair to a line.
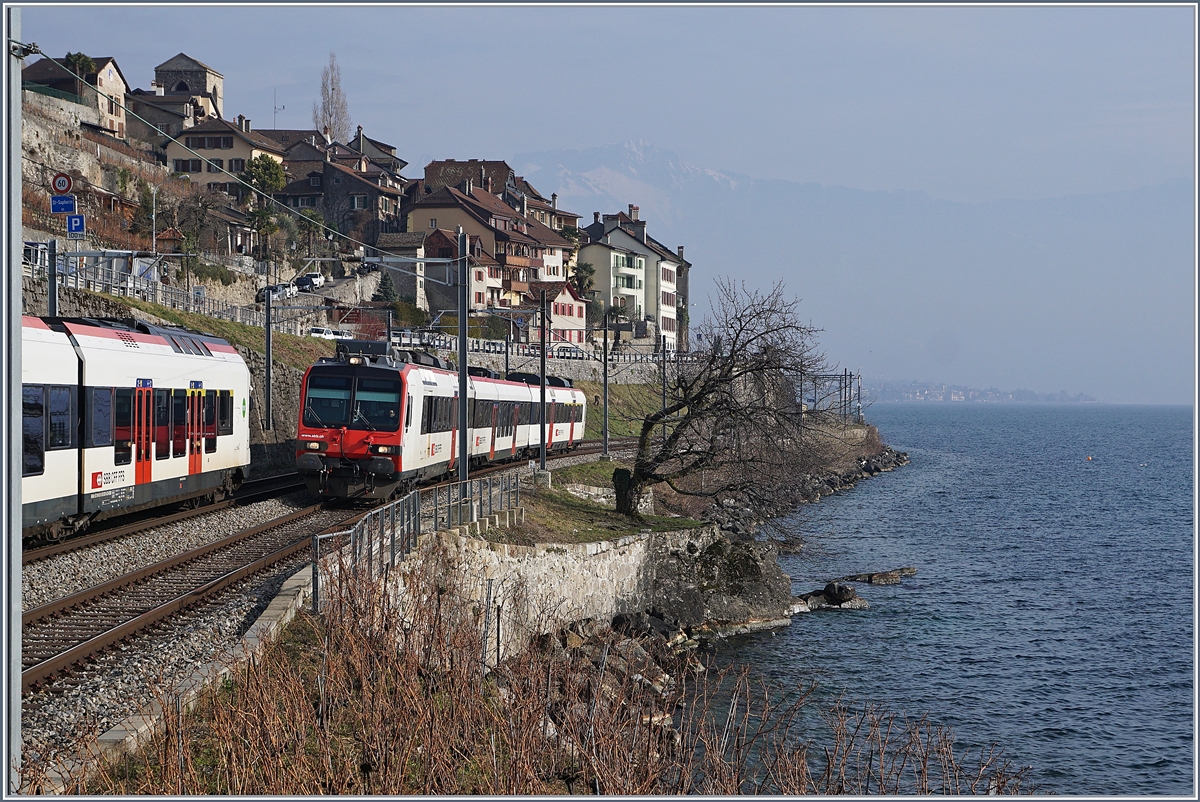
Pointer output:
x,y
353,401
327,401
377,404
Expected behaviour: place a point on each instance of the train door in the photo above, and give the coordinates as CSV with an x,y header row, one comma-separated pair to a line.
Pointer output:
x,y
495,419
143,431
195,427
550,421
516,417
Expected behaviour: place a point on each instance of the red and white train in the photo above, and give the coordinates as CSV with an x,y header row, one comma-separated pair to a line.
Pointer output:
x,y
119,416
376,421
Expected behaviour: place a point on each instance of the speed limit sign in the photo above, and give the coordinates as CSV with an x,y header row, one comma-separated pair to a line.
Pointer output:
x,y
61,183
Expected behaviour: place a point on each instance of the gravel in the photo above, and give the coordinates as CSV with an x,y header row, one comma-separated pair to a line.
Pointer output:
x,y
64,574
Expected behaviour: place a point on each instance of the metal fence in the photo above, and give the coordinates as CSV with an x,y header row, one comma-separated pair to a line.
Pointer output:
x,y
112,274
374,544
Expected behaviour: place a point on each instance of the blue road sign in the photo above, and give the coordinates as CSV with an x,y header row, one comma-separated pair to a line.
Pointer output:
x,y
75,224
62,204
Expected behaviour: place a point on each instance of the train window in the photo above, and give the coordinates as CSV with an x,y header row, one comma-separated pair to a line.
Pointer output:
x,y
426,415
210,421
408,415
171,341
98,429
123,426
162,424
327,401
33,429
224,412
377,405
61,411
179,423
203,347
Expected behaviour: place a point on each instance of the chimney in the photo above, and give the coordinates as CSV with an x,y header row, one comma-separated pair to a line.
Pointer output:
x,y
247,125
524,205
595,217
633,212
158,88
553,200
467,186
483,180
241,123
325,133
360,135
681,253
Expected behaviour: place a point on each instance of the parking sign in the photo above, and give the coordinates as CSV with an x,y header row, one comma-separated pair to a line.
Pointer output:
x,y
76,226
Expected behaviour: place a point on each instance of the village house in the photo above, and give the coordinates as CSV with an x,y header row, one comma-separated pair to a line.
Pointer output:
x,y
654,270
409,276
105,88
210,149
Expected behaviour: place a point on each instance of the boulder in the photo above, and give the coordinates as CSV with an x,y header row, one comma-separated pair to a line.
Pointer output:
x,y
837,593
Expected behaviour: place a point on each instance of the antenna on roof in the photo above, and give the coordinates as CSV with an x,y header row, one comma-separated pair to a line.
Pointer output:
x,y
275,109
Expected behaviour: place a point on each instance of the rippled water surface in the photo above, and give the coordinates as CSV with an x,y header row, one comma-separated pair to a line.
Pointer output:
x,y
1052,610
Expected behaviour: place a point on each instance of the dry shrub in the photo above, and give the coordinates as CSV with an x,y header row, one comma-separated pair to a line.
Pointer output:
x,y
385,694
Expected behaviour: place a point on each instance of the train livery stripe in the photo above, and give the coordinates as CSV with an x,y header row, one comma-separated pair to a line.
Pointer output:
x,y
33,323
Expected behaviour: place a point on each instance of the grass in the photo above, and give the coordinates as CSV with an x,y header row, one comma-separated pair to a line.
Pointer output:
x,y
556,516
628,404
286,349
595,474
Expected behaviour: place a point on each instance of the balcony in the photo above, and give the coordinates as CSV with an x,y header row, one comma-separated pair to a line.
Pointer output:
x,y
512,285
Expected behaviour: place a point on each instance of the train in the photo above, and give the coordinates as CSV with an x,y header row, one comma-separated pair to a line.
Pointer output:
x,y
119,416
376,421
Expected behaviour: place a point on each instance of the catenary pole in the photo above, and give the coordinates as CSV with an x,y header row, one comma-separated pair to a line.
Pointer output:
x,y
463,284
606,380
267,390
52,278
10,402
542,417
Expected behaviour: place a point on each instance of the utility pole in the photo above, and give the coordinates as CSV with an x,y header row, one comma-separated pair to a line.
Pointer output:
x,y
542,350
662,358
605,456
11,401
463,284
52,278
267,390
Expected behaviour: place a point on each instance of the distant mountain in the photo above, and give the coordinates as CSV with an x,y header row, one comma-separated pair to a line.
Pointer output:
x,y
1093,293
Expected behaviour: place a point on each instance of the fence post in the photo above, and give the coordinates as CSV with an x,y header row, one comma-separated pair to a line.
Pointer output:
x,y
392,515
316,575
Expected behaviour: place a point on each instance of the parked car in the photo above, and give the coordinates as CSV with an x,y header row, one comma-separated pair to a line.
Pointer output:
x,y
289,290
568,352
338,334
318,280
277,293
322,332
305,284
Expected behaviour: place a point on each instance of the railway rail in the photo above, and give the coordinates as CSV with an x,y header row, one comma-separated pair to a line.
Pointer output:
x,y
69,631
251,491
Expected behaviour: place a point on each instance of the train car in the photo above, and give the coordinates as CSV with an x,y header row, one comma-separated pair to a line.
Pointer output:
x,y
119,416
376,421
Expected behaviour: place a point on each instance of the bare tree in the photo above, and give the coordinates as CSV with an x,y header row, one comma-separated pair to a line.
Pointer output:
x,y
735,411
332,113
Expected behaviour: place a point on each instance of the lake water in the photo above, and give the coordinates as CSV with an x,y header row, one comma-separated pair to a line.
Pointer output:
x,y
1052,609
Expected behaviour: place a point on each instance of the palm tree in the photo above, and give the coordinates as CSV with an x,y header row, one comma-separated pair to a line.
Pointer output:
x,y
82,65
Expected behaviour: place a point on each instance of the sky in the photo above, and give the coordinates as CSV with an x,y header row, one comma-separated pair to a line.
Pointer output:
x,y
969,104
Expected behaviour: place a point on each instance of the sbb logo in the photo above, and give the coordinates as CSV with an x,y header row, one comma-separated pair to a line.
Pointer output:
x,y
101,478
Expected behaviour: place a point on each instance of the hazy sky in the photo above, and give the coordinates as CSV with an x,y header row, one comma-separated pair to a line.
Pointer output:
x,y
971,103
966,104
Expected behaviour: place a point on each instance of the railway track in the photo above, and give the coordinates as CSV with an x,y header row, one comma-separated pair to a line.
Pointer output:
x,y
254,490
61,634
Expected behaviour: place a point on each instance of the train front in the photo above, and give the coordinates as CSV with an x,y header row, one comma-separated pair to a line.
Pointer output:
x,y
349,438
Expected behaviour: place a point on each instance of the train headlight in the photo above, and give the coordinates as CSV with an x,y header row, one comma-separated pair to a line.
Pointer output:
x,y
315,445
385,450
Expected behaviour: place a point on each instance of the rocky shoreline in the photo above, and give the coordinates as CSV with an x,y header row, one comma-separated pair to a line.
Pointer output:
x,y
731,582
